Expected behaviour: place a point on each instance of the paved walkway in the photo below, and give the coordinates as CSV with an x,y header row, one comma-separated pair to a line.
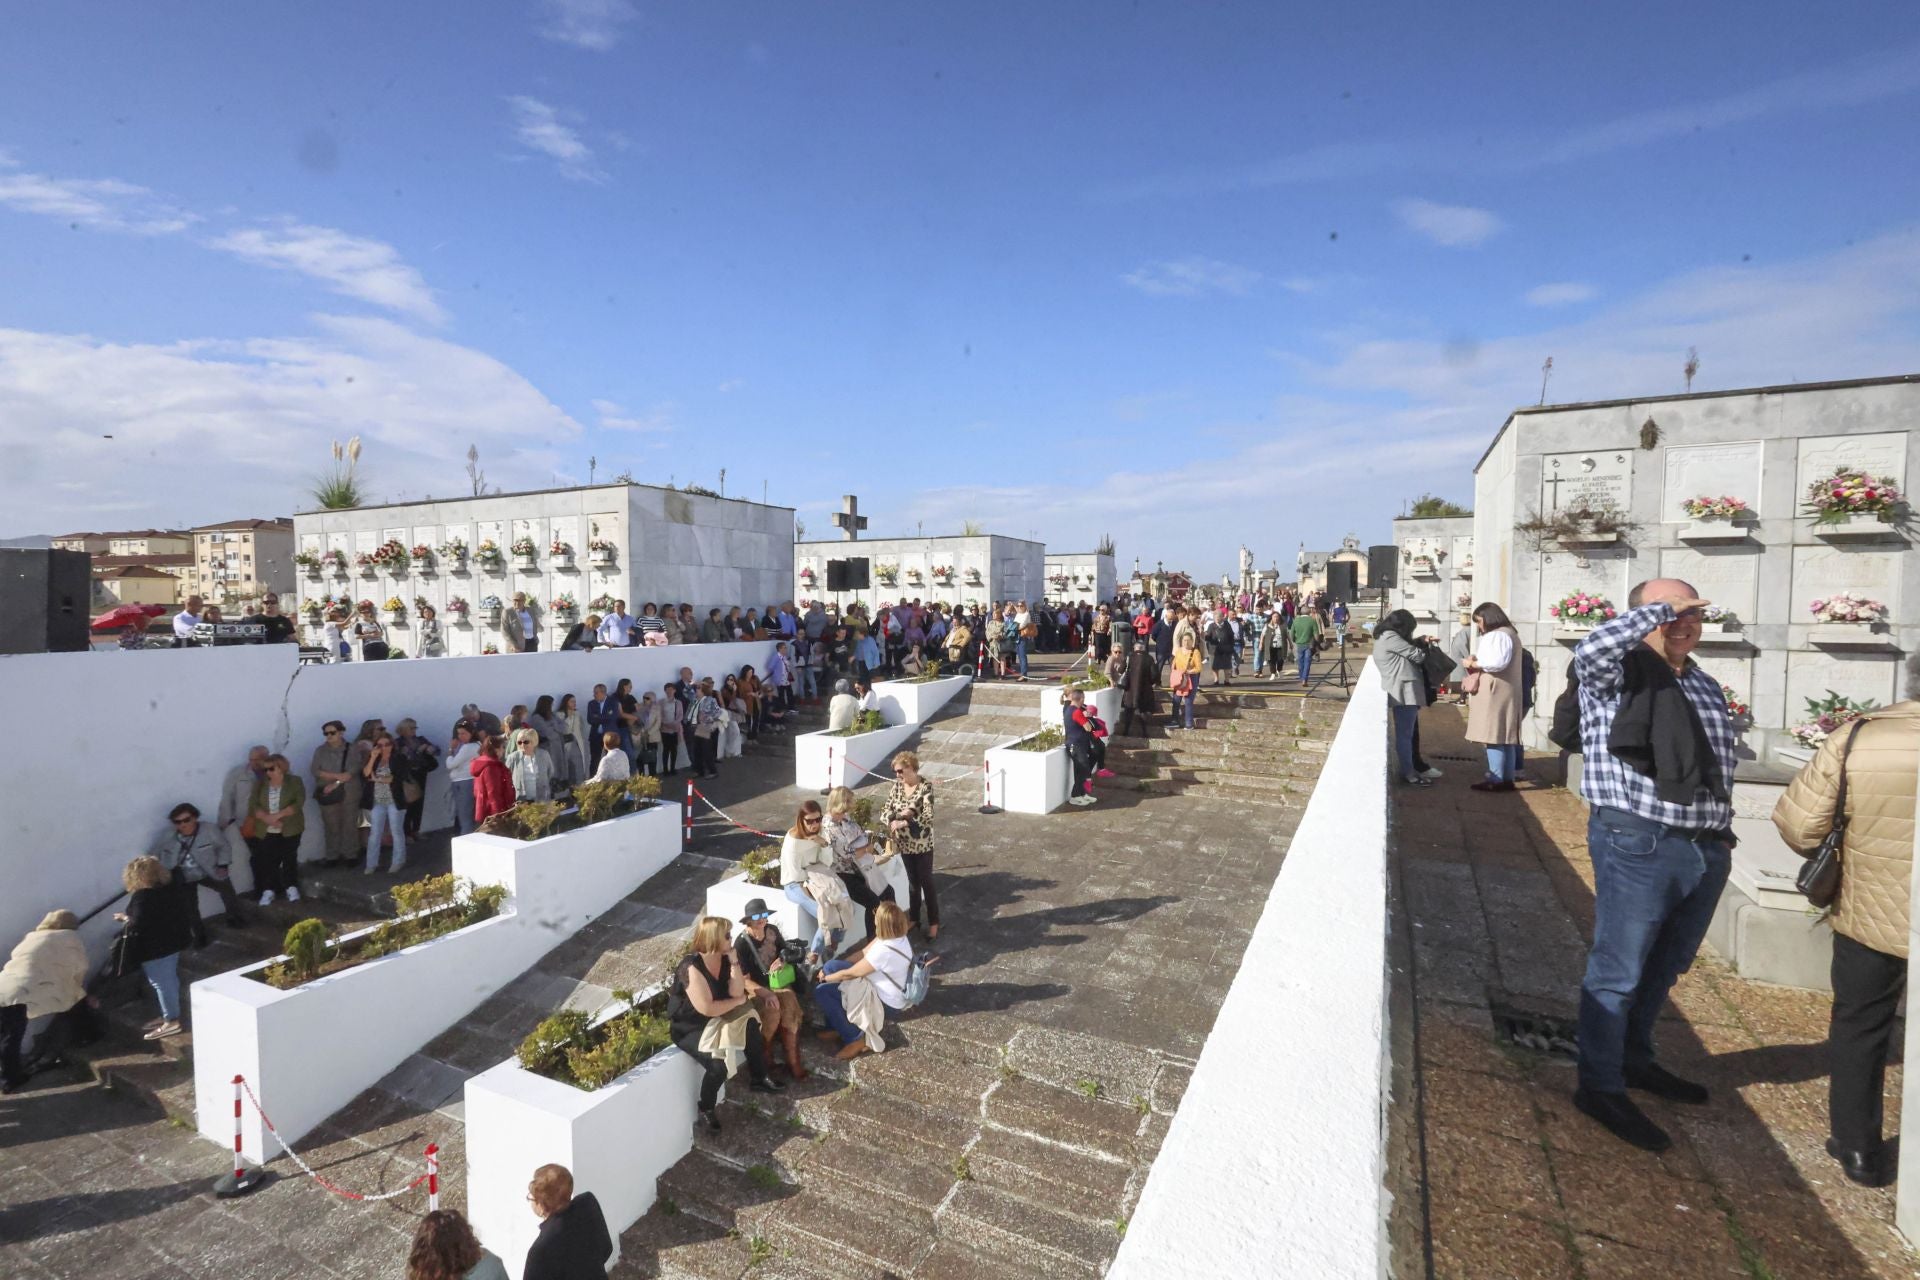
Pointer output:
x,y
1505,1177
1084,957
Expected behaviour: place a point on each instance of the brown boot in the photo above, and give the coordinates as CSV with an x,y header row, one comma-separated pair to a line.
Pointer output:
x,y
790,1040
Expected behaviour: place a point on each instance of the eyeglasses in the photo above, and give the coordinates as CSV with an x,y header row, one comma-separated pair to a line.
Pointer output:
x,y
813,822
757,919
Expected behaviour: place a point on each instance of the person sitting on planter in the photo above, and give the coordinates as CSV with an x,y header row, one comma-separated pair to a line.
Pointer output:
x,y
195,854
854,995
803,851
843,708
758,952
445,1248
713,1019
531,768
853,856
45,977
573,1243
613,763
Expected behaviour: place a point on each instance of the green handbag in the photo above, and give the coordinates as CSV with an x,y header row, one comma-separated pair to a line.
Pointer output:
x,y
781,976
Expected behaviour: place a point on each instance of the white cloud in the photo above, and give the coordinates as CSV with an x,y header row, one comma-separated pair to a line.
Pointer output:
x,y
105,204
655,419
1560,293
732,385
596,25
541,127
1453,225
1191,278
370,270
205,427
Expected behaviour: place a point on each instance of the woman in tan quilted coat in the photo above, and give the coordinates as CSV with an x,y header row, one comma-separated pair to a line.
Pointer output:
x,y
1869,915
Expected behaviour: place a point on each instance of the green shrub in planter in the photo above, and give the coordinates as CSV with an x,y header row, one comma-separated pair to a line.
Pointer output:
x,y
762,866
596,801
1046,740
544,1051
865,722
643,790
306,947
1094,679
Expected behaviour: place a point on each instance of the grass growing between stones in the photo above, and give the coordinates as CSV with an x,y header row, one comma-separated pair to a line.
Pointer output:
x,y
763,1177
1088,1089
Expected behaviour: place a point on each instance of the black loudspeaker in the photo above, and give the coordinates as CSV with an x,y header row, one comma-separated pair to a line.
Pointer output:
x,y
44,601
1383,566
1343,581
859,575
836,575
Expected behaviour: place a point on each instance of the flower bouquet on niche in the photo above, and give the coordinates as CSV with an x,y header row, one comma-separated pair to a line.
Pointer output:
x,y
1845,607
1706,507
1579,609
1828,714
1848,493
488,554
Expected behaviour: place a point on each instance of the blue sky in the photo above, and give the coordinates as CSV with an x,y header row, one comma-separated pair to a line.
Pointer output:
x,y
1192,275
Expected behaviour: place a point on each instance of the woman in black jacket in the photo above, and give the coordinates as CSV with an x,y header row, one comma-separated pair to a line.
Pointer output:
x,y
158,929
758,953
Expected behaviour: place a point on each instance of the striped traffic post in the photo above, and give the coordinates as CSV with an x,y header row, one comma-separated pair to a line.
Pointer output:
x,y
433,1176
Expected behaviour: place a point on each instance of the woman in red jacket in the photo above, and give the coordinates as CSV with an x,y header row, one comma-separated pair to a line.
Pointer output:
x,y
492,781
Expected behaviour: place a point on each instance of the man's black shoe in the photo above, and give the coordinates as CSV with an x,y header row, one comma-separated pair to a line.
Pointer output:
x,y
1617,1114
1662,1083
1867,1168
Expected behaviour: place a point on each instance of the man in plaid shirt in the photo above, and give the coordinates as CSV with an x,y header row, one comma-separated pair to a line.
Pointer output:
x,y
1659,864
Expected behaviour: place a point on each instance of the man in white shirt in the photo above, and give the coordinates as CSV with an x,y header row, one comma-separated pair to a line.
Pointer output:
x,y
616,626
186,620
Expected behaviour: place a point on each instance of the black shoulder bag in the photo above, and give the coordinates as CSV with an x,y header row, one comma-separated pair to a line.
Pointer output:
x,y
1819,880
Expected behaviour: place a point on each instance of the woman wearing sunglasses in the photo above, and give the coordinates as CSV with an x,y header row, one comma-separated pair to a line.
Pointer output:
x,y
279,813
336,786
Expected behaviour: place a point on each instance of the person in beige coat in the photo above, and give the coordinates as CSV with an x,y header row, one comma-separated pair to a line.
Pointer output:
x,y
45,977
1495,704
1870,914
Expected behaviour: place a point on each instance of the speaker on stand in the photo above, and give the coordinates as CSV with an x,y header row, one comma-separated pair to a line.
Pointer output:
x,y
1383,571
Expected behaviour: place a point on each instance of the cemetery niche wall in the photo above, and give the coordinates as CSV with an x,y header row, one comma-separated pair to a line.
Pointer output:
x,y
1784,506
1436,574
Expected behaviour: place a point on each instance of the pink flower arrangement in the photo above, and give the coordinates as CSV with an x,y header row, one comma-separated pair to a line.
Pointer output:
x,y
1848,493
1825,715
1736,709
1710,508
1581,607
1845,606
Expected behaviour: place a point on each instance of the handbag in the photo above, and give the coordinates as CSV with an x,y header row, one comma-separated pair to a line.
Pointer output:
x,y
1819,879
331,793
1472,682
247,831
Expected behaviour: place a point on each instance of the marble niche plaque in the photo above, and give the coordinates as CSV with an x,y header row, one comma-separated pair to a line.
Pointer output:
x,y
1424,598
1862,675
1821,571
1602,573
1713,470
1881,454
1594,481
1462,554
1730,581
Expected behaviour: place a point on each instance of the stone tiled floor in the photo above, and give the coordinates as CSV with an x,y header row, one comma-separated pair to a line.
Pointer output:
x,y
1497,908
1083,960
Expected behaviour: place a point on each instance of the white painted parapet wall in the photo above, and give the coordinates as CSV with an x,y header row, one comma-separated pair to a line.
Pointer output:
x,y
120,738
1275,1162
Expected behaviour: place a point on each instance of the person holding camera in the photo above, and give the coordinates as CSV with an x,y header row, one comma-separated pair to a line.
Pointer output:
x,y
386,808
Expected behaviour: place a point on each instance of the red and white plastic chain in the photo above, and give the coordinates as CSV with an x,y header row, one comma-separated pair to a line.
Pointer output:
x,y
308,1169
729,819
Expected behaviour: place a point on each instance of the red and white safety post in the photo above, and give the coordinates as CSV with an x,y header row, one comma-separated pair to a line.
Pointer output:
x,y
242,1179
686,819
829,787
433,1176
986,783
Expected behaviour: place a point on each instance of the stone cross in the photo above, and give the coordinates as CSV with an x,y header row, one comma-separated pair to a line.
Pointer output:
x,y
849,519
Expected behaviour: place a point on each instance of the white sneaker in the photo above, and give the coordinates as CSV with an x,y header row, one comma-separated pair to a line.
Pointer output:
x,y
1430,773
1082,801
266,899
293,894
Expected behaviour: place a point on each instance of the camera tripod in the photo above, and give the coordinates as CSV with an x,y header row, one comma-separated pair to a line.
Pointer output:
x,y
1339,673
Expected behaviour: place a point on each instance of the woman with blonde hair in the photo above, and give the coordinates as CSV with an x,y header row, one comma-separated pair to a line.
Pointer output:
x,y
531,767
908,813
854,995
803,851
157,931
278,808
712,1018
45,977
1184,680
853,856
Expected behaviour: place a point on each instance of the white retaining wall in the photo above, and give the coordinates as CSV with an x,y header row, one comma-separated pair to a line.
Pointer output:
x,y
309,1051
120,738
1286,1110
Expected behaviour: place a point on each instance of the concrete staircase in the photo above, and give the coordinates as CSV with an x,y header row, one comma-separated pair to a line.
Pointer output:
x,y
1262,749
986,714
940,1162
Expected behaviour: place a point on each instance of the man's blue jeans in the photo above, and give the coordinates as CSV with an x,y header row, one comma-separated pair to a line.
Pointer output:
x,y
1655,889
832,1007
1020,654
1303,653
1503,762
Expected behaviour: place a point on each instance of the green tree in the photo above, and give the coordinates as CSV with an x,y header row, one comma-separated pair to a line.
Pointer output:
x,y
1429,507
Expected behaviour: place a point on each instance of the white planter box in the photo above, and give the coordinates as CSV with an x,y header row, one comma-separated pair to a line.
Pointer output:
x,y
820,759
526,564
1849,635
1720,633
1857,529
1028,781
915,702
1714,531
1795,753
1105,703
290,1044
493,566
1424,569
1573,633
396,617
600,559
617,1141
563,561
456,564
